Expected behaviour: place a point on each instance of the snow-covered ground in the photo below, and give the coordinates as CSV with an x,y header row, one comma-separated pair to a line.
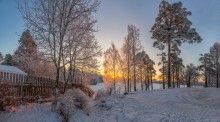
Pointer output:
x,y
170,105
120,86
31,113
97,87
174,105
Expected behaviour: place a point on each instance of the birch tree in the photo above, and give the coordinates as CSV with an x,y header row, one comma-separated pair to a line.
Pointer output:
x,y
133,36
126,49
215,59
51,21
191,75
111,64
205,60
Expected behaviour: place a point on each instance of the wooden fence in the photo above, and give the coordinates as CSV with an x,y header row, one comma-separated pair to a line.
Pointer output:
x,y
28,88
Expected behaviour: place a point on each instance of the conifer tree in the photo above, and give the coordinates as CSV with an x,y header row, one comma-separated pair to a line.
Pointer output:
x,y
173,26
26,53
1,56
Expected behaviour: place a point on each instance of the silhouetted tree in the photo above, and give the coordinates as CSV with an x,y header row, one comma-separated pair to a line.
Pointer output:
x,y
111,64
133,36
191,74
1,56
173,26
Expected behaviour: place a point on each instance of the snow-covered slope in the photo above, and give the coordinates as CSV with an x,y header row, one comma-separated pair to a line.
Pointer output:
x,y
174,105
170,105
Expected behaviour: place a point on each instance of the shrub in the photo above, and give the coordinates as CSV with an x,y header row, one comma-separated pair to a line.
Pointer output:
x,y
85,88
72,101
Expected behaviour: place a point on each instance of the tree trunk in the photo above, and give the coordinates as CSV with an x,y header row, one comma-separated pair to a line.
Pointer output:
x,y
188,81
169,78
151,81
141,81
145,82
134,69
206,82
57,77
217,73
128,86
163,77
173,77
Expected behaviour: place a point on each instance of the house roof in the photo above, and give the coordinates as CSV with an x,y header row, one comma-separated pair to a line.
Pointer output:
x,y
11,69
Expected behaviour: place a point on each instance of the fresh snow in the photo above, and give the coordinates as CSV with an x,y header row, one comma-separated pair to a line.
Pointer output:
x,y
120,86
173,105
11,69
170,105
97,87
31,113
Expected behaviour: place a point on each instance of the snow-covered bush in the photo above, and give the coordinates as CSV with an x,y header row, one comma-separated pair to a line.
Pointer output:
x,y
7,93
72,101
101,93
85,88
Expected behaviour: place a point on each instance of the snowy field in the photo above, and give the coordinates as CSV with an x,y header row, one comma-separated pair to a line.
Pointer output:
x,y
174,105
31,113
170,105
156,86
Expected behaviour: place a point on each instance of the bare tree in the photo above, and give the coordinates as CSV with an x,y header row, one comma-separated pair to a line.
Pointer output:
x,y
215,59
111,64
50,22
133,36
191,74
205,60
126,51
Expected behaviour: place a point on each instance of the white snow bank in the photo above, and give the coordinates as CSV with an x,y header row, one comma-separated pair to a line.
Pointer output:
x,y
31,113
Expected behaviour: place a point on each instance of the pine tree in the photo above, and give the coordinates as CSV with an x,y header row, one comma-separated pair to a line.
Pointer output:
x,y
26,53
173,26
27,46
1,56
8,60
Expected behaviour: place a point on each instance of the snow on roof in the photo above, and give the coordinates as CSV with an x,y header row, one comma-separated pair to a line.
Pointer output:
x,y
11,69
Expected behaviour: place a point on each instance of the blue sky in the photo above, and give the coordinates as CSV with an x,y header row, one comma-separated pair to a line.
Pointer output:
x,y
115,15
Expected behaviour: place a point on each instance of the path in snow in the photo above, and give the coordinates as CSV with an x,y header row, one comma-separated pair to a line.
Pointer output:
x,y
174,105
